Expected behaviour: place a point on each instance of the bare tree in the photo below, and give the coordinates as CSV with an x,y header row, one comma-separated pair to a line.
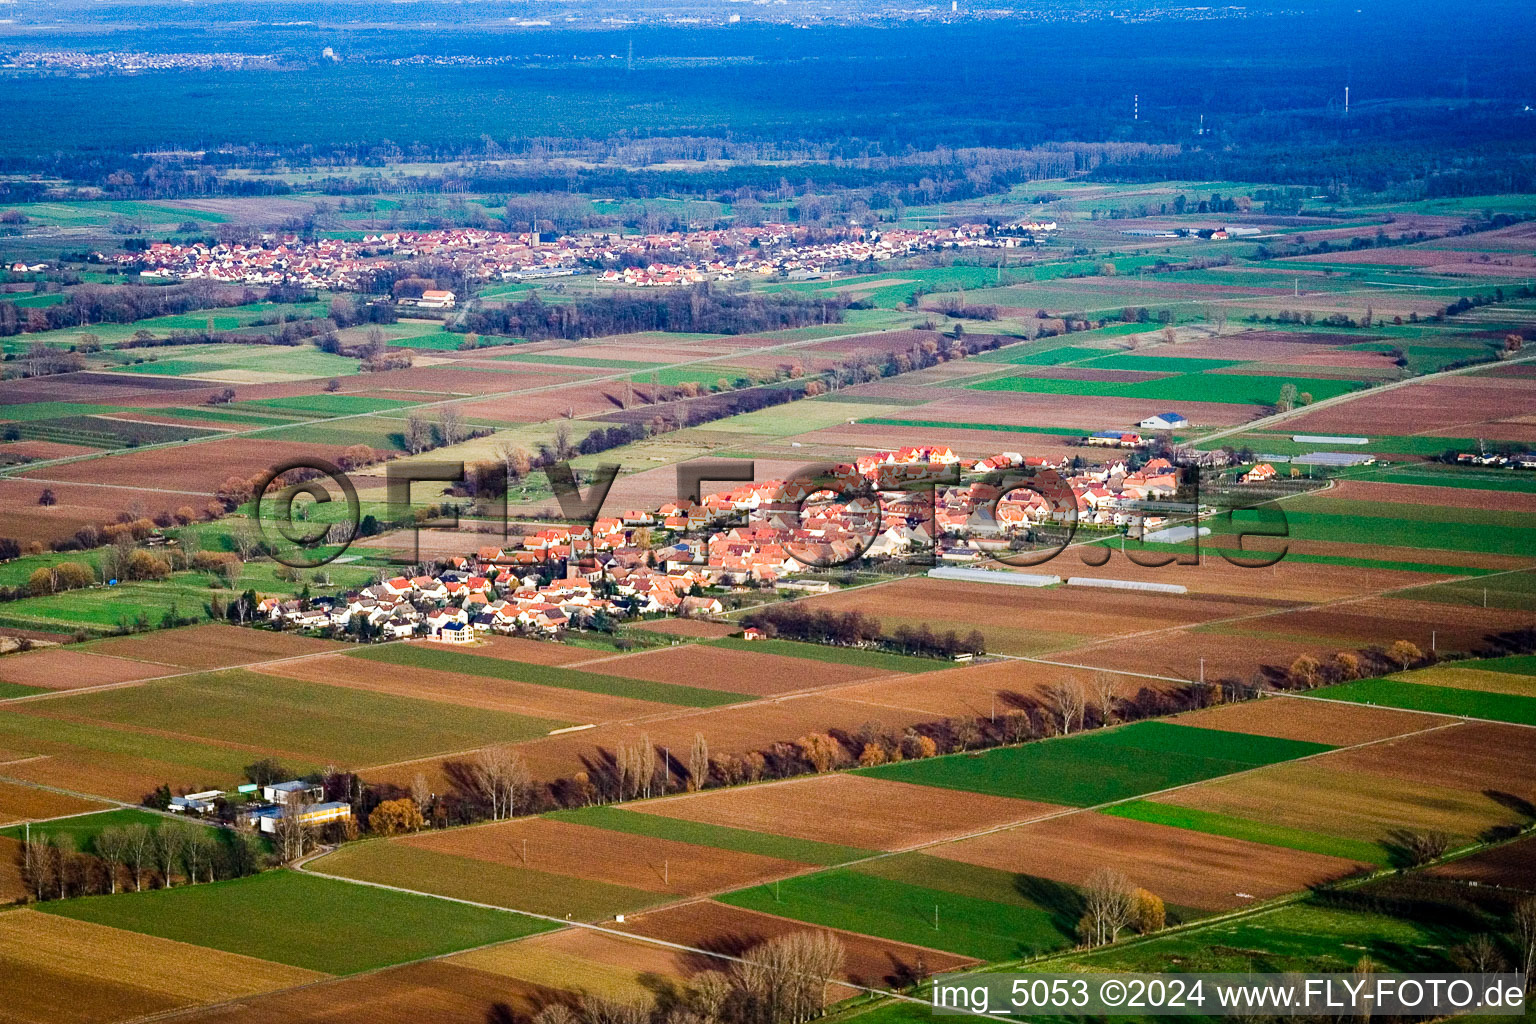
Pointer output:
x,y
198,851
1104,684
1525,937
698,763
294,834
418,435
1109,905
137,846
169,842
37,865
784,980
1478,955
421,792
1069,700
503,778
450,423
112,847
65,861
245,539
562,440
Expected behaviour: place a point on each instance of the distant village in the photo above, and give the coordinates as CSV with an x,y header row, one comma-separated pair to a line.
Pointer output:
x,y
658,260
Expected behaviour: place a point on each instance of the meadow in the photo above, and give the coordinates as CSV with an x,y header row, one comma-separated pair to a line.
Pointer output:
x,y
1440,700
1101,766
1005,926
304,921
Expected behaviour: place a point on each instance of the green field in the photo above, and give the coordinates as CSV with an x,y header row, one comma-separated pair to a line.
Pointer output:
x,y
214,359
835,655
106,608
1442,700
316,923
1433,527
311,721
84,828
1252,831
327,405
988,929
1517,664
465,878
1100,766
721,837
416,656
1028,355
1235,388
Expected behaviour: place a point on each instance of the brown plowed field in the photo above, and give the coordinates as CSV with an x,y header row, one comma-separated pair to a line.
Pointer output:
x,y
717,928
62,971
1462,402
63,668
1512,866
214,646
728,730
179,469
850,810
579,399
21,803
1335,723
1178,654
1288,581
469,690
1189,869
79,504
991,688
430,992
1447,497
1026,620
1315,796
1477,756
13,888
114,388
1382,620
719,668
618,858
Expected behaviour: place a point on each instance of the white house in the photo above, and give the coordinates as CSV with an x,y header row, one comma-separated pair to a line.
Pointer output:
x,y
1164,421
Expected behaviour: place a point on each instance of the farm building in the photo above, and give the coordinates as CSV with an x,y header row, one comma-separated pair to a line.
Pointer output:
x,y
1113,439
1164,421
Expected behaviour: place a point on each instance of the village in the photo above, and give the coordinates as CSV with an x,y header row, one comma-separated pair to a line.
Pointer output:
x,y
680,558
655,260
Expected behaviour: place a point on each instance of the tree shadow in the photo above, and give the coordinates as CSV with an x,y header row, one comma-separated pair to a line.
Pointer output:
x,y
1062,902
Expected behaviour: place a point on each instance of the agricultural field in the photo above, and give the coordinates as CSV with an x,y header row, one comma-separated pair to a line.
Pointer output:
x,y
345,928
59,969
1102,766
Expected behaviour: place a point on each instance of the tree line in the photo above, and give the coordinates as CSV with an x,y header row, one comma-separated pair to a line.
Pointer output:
x,y
856,629
700,309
